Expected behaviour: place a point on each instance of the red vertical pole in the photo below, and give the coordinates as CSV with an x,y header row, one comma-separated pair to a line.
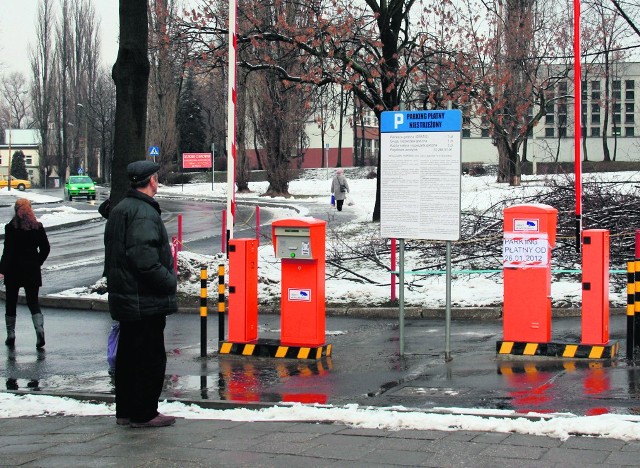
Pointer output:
x,y
258,224
174,251
180,232
577,120
223,237
393,268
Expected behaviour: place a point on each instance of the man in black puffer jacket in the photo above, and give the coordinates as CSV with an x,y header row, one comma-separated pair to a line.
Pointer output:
x,y
142,291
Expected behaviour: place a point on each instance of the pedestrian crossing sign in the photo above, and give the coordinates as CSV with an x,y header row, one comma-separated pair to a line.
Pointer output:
x,y
154,151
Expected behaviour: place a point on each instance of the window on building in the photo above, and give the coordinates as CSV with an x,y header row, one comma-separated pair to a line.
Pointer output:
x,y
616,131
28,160
562,88
583,90
616,89
549,132
628,89
562,132
484,133
595,131
629,131
629,116
617,117
562,120
595,118
595,90
549,119
466,133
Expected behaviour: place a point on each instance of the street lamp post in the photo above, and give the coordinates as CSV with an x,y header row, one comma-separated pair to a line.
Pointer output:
x,y
86,139
9,167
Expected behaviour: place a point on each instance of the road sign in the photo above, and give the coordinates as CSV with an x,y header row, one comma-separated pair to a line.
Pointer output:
x,y
154,151
80,171
420,170
196,160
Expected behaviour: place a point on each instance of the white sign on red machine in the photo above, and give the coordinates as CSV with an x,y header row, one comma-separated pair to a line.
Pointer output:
x,y
525,250
196,160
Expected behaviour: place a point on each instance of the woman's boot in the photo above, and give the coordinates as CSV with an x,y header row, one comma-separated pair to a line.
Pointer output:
x,y
38,324
11,330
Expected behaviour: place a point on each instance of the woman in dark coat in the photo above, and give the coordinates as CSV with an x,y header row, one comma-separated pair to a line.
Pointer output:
x,y
26,247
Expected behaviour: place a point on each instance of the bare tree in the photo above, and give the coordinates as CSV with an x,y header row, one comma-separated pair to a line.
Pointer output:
x,y
610,31
167,57
14,91
630,12
212,96
131,76
42,57
103,108
367,47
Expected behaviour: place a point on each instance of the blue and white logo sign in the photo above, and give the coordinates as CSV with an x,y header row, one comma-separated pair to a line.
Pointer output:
x,y
528,225
300,295
154,151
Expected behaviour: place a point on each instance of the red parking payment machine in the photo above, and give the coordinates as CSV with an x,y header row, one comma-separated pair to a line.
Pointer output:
x,y
529,236
300,243
243,290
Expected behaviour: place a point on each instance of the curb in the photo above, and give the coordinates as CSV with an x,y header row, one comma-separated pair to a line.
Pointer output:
x,y
257,405
463,313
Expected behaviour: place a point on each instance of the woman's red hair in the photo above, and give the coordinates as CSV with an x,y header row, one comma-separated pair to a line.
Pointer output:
x,y
24,218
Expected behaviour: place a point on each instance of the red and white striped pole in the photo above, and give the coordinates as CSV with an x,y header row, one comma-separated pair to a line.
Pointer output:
x,y
577,120
231,120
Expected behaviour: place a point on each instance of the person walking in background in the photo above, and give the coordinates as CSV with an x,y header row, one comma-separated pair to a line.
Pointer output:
x,y
142,286
339,188
26,247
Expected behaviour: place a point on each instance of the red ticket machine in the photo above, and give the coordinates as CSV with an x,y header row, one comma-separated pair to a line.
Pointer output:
x,y
595,287
300,243
529,236
243,290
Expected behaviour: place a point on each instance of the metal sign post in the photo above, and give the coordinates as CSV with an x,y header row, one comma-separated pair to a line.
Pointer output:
x,y
420,184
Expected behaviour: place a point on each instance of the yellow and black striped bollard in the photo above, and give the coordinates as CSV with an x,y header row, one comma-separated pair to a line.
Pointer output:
x,y
631,307
203,312
221,302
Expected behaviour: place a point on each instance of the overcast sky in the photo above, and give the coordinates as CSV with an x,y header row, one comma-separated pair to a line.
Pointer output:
x,y
17,32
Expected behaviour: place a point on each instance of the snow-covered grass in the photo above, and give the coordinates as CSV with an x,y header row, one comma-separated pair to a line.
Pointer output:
x,y
468,290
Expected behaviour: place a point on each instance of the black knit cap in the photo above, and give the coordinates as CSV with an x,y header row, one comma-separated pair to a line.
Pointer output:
x,y
140,170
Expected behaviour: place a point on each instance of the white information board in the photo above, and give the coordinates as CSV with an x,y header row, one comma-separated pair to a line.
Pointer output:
x,y
420,165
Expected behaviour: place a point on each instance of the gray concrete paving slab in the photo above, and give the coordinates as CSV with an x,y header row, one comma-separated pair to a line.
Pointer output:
x,y
98,441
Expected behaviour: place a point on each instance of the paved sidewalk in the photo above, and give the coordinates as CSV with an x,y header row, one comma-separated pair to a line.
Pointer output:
x,y
98,441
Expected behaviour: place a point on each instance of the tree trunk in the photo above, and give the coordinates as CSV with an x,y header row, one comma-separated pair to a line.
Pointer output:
x,y
339,161
509,154
503,162
131,77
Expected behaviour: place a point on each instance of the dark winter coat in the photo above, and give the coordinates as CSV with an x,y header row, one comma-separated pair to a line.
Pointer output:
x,y
24,253
138,263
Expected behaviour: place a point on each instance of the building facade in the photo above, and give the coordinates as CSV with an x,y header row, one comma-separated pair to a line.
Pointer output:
x,y
27,141
550,141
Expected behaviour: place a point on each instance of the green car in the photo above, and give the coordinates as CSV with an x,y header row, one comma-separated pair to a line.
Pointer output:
x,y
80,186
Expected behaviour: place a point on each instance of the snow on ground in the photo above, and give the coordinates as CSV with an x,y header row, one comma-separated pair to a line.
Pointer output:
x,y
428,292
477,290
559,426
49,216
